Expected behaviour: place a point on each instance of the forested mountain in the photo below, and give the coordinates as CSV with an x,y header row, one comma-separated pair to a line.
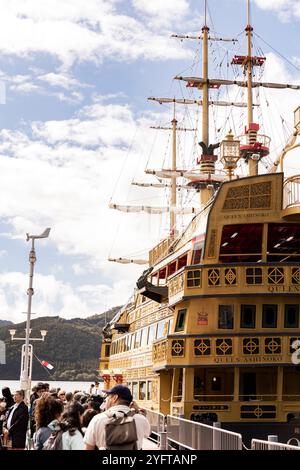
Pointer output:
x,y
71,346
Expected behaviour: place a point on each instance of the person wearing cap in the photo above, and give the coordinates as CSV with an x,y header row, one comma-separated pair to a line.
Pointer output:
x,y
118,400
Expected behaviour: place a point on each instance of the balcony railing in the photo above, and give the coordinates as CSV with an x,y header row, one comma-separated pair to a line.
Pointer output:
x,y
291,192
218,350
160,251
252,278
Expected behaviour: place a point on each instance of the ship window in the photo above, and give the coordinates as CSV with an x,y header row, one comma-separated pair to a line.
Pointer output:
x,y
172,268
149,390
162,276
254,276
291,316
216,383
180,320
269,316
144,336
152,333
137,343
194,278
197,251
248,316
160,329
225,317
135,390
182,261
142,390
283,242
107,350
241,243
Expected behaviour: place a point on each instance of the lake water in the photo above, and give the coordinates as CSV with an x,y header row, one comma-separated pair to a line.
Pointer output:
x,y
67,386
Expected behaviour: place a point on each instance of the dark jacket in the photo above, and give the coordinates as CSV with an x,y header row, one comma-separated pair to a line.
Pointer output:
x,y
18,426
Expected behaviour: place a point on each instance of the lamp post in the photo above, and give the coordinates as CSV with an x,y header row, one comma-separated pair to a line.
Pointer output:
x,y
230,153
25,374
26,358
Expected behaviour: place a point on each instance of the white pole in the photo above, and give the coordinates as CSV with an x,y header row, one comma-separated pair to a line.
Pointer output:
x,y
26,365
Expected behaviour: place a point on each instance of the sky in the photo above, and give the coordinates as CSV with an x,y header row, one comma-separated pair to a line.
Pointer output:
x,y
74,132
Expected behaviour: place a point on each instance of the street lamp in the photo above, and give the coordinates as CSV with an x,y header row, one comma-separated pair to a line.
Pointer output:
x,y
23,380
230,153
26,358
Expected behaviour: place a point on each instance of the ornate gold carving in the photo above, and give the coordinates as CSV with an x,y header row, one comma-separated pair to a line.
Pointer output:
x,y
254,196
213,277
296,276
251,346
260,202
212,244
224,346
202,347
261,188
275,275
230,276
176,285
272,345
159,351
178,348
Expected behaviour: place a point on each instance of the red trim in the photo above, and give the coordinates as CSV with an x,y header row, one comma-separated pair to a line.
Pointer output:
x,y
198,238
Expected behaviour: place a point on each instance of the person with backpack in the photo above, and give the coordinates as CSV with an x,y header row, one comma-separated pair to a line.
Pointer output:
x,y
67,433
119,427
47,410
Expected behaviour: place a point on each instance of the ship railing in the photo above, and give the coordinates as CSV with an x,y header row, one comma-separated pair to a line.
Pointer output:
x,y
291,191
157,423
257,444
185,434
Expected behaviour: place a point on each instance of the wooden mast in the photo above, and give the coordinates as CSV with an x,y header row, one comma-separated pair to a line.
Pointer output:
x,y
173,179
253,165
205,97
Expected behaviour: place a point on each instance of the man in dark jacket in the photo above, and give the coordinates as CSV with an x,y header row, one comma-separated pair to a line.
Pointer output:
x,y
17,421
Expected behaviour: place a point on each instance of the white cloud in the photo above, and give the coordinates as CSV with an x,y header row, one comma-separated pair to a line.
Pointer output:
x,y
31,83
53,297
62,81
76,30
286,9
162,14
55,179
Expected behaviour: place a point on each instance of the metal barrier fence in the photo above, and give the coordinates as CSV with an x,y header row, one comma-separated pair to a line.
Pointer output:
x,y
257,444
186,434
157,421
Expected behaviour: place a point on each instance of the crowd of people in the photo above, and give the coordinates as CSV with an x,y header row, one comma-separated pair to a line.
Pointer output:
x,y
56,420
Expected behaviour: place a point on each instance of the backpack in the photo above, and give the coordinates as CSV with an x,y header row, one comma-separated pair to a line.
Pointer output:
x,y
54,441
120,433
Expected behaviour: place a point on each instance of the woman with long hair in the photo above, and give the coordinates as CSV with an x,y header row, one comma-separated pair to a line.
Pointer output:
x,y
47,410
72,438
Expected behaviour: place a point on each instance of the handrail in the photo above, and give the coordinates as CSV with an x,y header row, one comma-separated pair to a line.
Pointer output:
x,y
257,444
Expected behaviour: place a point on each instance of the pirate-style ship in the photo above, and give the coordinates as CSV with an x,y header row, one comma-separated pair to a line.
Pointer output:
x,y
211,331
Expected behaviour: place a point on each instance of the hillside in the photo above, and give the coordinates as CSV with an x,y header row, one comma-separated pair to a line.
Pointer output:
x,y
5,323
71,346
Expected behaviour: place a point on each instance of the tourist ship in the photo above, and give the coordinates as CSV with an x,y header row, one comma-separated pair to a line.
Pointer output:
x,y
212,329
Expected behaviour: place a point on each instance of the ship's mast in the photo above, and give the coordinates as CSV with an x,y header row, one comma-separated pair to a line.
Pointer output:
x,y
253,168
173,179
205,93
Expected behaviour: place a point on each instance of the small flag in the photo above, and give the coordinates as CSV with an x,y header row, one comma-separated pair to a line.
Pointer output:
x,y
46,364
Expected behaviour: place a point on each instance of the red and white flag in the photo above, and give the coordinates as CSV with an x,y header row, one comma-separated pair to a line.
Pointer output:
x,y
46,364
